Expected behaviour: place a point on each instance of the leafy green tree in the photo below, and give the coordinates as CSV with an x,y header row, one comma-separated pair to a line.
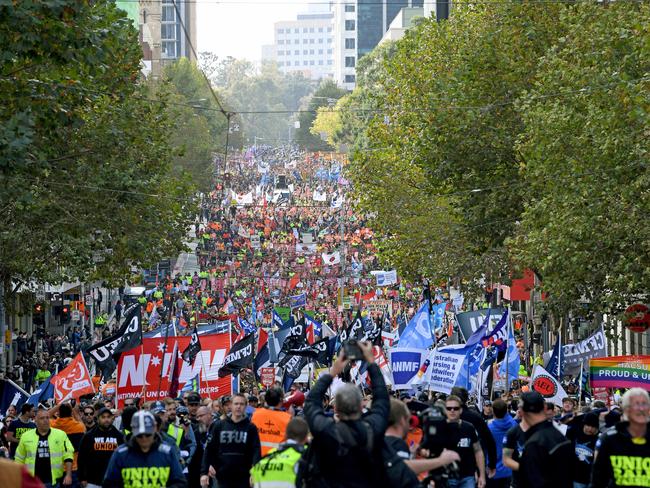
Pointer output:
x,y
326,95
585,149
85,158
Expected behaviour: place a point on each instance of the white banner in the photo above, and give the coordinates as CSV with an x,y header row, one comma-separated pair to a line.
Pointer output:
x,y
445,367
385,278
543,383
243,198
331,259
594,346
320,196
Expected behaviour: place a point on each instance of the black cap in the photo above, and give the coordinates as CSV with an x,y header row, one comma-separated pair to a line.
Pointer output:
x,y
225,399
532,402
193,398
104,410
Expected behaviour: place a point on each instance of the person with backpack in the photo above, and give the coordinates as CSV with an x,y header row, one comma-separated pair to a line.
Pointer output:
x,y
346,451
278,468
401,470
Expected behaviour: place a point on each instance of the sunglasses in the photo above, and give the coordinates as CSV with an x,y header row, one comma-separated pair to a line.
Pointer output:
x,y
129,404
453,409
89,413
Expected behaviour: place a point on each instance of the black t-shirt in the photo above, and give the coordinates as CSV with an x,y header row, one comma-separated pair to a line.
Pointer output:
x,y
461,438
43,466
584,446
398,445
17,427
515,440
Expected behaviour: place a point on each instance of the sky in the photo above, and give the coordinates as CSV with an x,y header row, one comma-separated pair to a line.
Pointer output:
x,y
239,28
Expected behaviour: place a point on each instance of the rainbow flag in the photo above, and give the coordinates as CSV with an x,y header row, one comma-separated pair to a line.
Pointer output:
x,y
620,372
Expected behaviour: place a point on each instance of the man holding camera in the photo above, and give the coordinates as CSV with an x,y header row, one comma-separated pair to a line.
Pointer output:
x,y
179,428
347,451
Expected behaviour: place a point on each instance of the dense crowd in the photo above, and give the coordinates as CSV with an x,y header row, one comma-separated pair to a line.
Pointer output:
x,y
277,227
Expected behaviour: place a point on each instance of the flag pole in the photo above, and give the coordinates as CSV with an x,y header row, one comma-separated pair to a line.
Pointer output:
x,y
511,333
163,359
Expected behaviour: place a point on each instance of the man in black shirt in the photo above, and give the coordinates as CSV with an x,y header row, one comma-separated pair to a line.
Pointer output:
x,y
19,426
513,448
96,448
396,450
463,439
547,460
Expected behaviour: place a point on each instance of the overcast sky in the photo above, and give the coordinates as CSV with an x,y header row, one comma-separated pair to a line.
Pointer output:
x,y
239,28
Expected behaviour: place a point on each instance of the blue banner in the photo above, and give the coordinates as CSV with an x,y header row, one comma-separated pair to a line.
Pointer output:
x,y
42,394
417,333
12,394
405,364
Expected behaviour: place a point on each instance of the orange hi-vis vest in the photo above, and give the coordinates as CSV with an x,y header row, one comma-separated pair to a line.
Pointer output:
x,y
272,426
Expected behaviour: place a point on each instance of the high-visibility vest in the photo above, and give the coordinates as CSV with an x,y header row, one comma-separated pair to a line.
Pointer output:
x,y
272,426
277,470
176,433
60,450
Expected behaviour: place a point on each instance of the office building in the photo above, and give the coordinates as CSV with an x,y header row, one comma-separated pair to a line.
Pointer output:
x,y
303,45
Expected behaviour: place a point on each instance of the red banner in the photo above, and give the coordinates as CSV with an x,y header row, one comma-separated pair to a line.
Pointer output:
x,y
73,381
139,370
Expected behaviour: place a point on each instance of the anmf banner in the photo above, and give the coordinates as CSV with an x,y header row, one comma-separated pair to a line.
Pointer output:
x,y
139,370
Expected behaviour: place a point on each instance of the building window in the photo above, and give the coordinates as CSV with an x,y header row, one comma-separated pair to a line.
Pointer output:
x,y
320,41
168,14
280,63
329,51
296,41
311,41
280,41
349,8
304,51
305,40
350,42
280,53
320,62
296,52
320,29
304,30
280,31
349,61
320,51
329,62
296,31
304,63
329,29
329,41
311,62
311,51
349,25
311,29
350,78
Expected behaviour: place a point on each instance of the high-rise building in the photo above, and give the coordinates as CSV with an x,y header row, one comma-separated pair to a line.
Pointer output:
x,y
359,25
303,45
175,41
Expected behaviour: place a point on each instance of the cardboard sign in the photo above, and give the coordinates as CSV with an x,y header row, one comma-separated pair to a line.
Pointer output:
x,y
267,376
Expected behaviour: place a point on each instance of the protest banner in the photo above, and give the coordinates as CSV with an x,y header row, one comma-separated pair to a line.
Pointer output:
x,y
139,370
374,306
470,322
267,376
73,381
445,367
546,385
405,363
594,346
620,372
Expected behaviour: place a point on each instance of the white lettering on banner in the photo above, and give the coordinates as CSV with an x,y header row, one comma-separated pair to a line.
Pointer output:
x,y
445,367
405,366
591,347
234,356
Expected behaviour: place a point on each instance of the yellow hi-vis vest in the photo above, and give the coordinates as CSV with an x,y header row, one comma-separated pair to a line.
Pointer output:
x,y
278,468
176,433
61,450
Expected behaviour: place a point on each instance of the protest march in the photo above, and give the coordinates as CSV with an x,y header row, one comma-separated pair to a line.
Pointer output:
x,y
291,357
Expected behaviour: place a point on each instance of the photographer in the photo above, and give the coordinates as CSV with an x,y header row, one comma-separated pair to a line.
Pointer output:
x,y
347,451
401,470
179,428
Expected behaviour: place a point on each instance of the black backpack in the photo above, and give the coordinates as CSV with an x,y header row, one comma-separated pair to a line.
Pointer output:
x,y
309,475
397,473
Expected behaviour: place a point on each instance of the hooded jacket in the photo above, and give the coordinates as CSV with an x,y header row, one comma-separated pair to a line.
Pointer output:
x,y
232,449
499,428
157,468
621,460
95,452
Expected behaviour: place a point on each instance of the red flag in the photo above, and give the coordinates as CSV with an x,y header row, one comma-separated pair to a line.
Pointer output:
x,y
174,373
295,279
262,339
73,381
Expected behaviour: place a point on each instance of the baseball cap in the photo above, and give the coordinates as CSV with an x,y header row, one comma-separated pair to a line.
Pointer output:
x,y
532,402
157,407
104,410
225,399
193,398
143,422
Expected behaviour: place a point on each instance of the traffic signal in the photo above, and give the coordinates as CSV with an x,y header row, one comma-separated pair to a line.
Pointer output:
x,y
65,314
38,315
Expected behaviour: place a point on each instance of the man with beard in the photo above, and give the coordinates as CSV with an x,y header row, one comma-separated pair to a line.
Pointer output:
x,y
96,448
204,420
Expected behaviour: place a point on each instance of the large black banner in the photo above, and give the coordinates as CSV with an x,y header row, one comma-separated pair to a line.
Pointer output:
x,y
469,322
240,356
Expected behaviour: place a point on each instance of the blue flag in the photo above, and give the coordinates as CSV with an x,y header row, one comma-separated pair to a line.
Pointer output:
x,y
12,394
298,301
555,365
43,393
511,360
438,314
467,378
417,333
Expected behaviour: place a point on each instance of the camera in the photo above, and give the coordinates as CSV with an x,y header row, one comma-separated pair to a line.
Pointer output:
x,y
352,350
435,432
183,420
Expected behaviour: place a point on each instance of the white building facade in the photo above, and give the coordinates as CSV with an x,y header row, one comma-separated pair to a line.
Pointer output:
x,y
304,45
